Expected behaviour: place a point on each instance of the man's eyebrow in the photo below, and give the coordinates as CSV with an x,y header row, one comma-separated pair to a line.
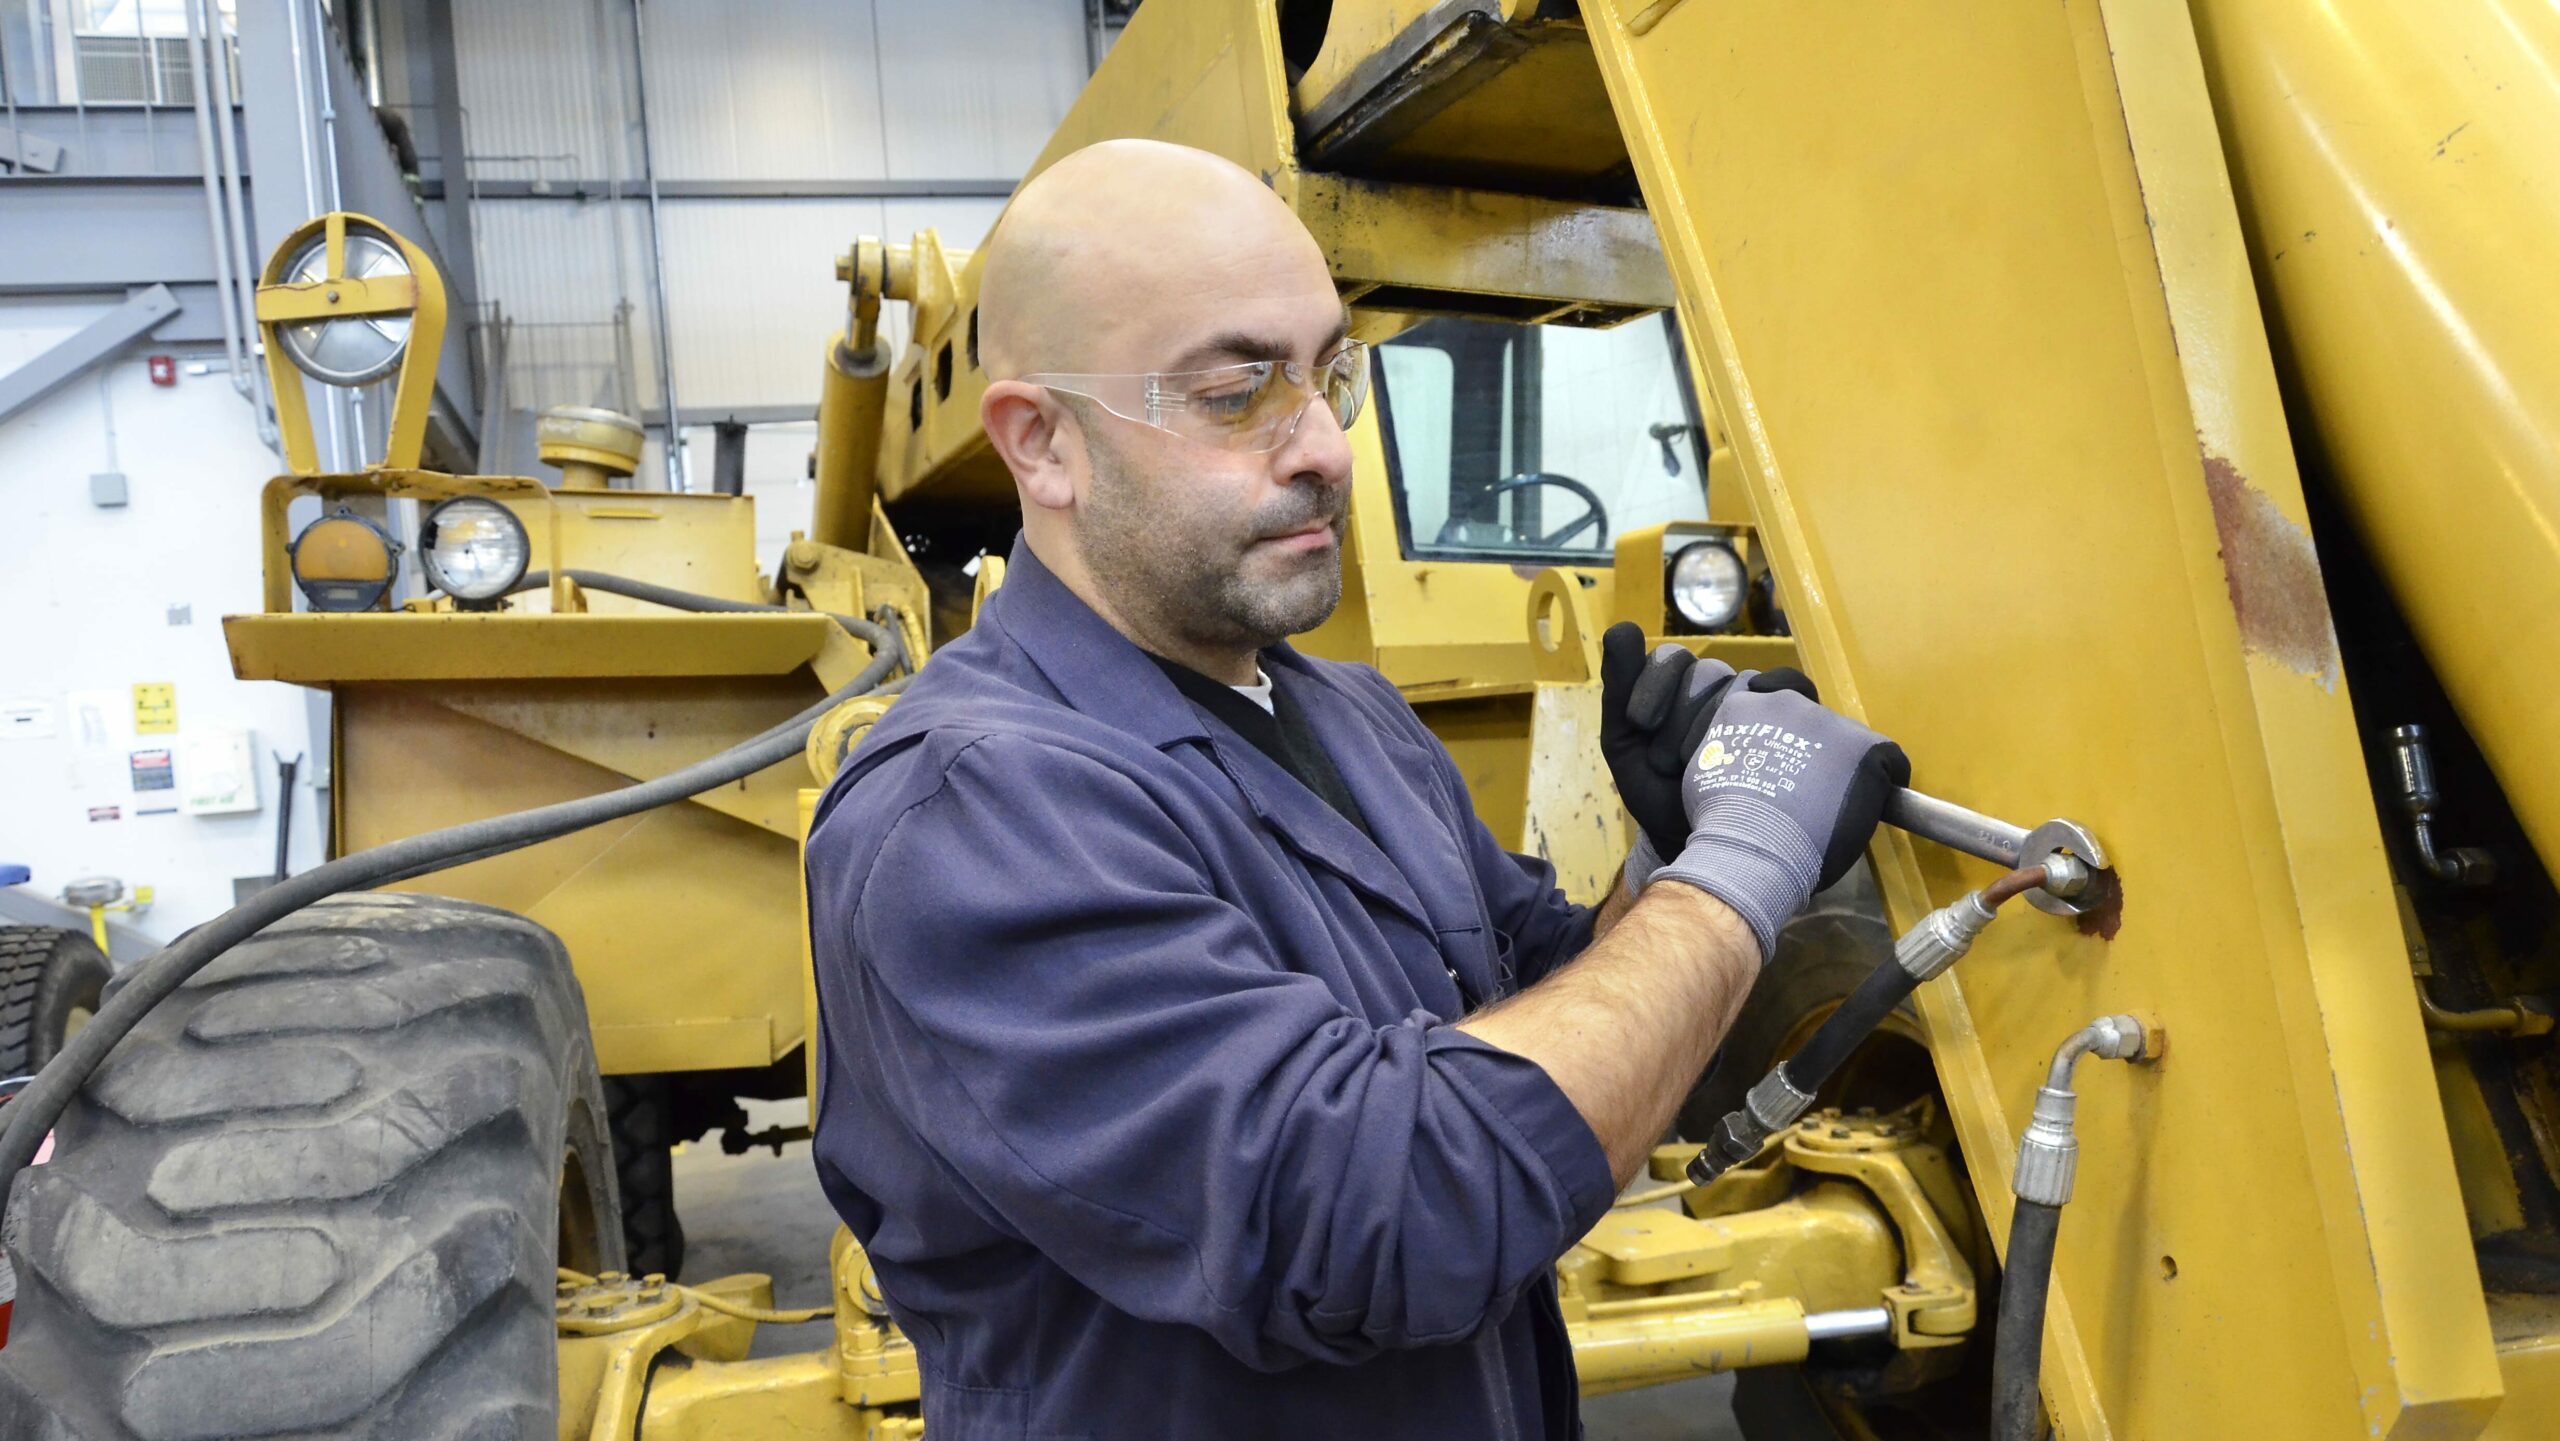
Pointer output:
x,y
1237,346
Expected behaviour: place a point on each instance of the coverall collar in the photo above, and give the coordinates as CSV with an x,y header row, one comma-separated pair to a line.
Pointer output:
x,y
1104,674
1099,671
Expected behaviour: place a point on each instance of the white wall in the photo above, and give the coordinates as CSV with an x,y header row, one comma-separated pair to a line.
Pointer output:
x,y
86,598
791,90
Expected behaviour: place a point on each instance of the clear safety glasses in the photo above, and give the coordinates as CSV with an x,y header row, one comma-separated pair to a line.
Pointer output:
x,y
1251,407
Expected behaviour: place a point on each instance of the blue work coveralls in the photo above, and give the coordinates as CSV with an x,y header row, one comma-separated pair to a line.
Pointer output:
x,y
1136,1073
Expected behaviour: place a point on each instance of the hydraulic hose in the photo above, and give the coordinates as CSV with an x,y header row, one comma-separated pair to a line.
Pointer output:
x,y
40,1105
1783,1095
674,599
2017,1346
2048,1162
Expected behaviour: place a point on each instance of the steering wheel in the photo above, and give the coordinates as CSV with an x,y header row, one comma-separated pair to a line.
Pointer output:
x,y
1598,515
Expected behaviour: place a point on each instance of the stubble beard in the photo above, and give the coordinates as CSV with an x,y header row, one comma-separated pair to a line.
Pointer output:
x,y
1161,553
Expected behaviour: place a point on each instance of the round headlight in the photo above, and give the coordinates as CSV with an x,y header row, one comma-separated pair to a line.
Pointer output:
x,y
474,549
352,349
343,561
1708,584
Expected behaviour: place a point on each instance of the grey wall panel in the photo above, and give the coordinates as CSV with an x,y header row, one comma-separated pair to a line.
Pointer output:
x,y
789,90
786,89
975,87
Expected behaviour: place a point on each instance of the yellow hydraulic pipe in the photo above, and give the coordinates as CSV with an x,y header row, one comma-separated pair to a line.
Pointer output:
x,y
2397,164
1643,1346
851,406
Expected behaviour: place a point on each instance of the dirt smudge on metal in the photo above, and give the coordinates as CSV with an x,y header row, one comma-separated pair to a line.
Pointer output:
x,y
2105,915
2273,575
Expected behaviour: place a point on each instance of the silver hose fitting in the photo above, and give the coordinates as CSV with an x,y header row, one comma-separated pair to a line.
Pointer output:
x,y
2049,1151
2065,875
1771,1105
1943,936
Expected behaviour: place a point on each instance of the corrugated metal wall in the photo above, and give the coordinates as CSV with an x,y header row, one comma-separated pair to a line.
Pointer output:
x,y
782,90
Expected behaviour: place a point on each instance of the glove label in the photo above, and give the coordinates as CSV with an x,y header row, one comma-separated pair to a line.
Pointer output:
x,y
1764,760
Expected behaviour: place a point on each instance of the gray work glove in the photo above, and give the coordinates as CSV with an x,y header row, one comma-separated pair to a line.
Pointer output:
x,y
1781,798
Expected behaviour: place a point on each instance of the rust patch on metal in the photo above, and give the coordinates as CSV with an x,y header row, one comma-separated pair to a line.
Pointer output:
x,y
2105,915
2273,575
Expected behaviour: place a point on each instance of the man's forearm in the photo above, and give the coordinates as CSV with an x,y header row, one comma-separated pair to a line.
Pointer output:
x,y
1625,1028
1613,908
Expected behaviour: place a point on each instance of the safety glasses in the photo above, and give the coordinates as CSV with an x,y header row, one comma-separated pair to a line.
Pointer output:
x,y
1252,407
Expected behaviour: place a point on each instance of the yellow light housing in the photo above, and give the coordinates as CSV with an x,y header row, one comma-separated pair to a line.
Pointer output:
x,y
343,562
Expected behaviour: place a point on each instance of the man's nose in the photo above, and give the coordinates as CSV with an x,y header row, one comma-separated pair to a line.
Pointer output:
x,y
1317,450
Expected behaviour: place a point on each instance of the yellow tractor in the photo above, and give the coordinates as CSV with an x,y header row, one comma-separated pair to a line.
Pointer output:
x,y
2142,412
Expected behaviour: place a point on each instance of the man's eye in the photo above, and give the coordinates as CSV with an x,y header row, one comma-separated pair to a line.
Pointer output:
x,y
1227,402
1231,397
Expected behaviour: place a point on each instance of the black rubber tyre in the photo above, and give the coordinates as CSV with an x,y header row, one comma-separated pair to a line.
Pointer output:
x,y
642,1110
50,980
322,1189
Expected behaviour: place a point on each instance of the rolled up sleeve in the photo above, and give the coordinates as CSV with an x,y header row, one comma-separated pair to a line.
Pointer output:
x,y
1112,1059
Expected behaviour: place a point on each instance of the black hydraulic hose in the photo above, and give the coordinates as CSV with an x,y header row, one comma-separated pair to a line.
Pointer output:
x,y
1783,1095
672,598
2017,1347
35,1110
1845,1029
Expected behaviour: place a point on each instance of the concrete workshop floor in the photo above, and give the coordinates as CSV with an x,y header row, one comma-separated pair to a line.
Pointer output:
x,y
762,1212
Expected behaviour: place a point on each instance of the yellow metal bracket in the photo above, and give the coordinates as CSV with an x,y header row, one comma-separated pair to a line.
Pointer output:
x,y
1934,1305
418,295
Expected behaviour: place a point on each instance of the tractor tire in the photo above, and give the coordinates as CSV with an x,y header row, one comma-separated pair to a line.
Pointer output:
x,y
50,981
642,1110
321,1190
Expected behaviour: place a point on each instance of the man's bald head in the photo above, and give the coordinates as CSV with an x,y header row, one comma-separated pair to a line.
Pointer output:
x,y
1134,256
1125,248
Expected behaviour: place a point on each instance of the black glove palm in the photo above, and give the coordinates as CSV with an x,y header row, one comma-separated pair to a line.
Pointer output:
x,y
1654,712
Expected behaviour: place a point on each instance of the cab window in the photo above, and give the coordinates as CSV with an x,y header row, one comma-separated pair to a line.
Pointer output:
x,y
1537,443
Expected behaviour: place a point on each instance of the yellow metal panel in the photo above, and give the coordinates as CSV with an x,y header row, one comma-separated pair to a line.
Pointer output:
x,y
2399,174
1649,1247
1918,277
1482,91
1619,1352
779,1398
676,920
700,543
1572,818
314,649
2529,1361
1404,247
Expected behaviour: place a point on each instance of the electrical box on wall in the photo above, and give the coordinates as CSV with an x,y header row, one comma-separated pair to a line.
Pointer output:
x,y
218,771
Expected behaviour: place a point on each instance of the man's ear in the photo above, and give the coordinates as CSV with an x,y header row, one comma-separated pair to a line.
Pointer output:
x,y
1022,423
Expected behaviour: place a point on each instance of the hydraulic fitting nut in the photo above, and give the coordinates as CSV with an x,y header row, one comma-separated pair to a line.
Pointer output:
x,y
1772,1105
2048,1153
1942,937
2065,875
1775,1102
2116,1038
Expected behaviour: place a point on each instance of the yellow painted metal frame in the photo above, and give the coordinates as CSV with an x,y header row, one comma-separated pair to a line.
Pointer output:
x,y
419,295
2010,223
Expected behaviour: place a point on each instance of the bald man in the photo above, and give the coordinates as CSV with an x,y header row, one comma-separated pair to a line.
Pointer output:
x,y
1193,1062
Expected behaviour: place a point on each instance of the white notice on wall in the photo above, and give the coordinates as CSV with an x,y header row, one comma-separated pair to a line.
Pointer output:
x,y
26,720
217,771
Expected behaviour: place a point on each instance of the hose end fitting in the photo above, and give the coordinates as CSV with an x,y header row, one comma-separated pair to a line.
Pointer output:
x,y
1943,936
2048,1153
1771,1106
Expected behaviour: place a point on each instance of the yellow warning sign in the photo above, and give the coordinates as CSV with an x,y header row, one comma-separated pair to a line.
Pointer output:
x,y
155,707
